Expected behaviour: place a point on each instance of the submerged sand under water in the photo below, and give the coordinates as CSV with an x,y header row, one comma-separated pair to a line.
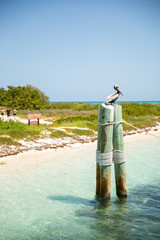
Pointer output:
x,y
51,195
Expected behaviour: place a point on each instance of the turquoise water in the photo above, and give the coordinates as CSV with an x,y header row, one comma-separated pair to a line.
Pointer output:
x,y
140,102
56,199
99,102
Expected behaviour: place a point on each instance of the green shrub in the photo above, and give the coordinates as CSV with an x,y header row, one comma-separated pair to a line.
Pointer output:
x,y
78,121
139,122
59,134
136,109
64,120
74,106
18,129
28,97
80,132
8,141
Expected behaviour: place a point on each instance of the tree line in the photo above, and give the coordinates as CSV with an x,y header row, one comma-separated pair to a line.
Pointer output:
x,y
30,97
26,97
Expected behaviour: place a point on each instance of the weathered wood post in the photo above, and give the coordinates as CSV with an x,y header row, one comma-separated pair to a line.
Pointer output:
x,y
97,155
118,153
106,145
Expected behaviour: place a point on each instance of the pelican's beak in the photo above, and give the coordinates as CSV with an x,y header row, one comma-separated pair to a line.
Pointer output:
x,y
121,93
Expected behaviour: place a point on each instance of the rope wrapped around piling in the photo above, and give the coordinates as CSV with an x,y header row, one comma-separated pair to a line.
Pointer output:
x,y
119,157
104,159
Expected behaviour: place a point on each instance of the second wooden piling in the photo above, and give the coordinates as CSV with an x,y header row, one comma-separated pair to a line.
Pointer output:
x,y
118,153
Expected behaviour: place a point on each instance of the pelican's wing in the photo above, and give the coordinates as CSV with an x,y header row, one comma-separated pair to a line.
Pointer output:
x,y
112,98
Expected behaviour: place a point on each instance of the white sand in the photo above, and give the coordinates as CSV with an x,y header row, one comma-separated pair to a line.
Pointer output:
x,y
33,158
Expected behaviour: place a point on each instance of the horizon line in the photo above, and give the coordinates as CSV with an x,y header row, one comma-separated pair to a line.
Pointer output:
x,y
104,101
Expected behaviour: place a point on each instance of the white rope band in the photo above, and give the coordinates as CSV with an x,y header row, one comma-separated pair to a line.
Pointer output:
x,y
105,159
118,156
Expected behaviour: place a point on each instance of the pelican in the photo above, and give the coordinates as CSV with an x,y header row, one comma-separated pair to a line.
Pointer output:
x,y
113,97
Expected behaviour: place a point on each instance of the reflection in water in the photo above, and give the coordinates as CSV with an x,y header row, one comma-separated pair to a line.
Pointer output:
x,y
100,216
134,218
42,204
106,219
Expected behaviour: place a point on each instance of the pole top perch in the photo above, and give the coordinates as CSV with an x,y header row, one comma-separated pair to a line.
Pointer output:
x,y
113,97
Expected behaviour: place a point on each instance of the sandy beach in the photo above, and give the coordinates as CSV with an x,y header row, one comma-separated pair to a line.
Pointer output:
x,y
36,153
56,143
47,143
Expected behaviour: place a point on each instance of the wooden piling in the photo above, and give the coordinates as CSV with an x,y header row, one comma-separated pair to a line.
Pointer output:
x,y
118,153
97,155
106,139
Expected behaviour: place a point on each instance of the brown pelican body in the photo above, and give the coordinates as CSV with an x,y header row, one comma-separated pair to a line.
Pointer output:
x,y
113,97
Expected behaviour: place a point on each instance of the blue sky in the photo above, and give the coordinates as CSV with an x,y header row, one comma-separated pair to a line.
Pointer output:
x,y
77,50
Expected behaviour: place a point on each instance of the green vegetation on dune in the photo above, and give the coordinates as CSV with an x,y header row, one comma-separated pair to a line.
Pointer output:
x,y
59,134
64,120
86,109
53,114
71,132
140,115
80,132
73,106
78,121
8,141
79,115
18,130
136,109
140,122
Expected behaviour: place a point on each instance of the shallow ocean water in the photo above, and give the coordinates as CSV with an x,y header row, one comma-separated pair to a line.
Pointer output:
x,y
56,199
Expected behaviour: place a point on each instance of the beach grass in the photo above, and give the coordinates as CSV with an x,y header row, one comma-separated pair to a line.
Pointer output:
x,y
136,109
78,121
56,113
80,132
7,141
18,130
140,122
59,134
139,115
85,115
